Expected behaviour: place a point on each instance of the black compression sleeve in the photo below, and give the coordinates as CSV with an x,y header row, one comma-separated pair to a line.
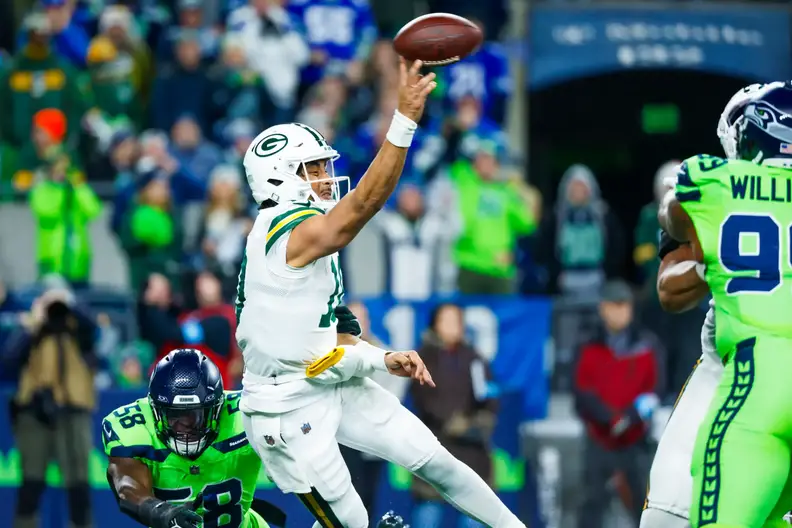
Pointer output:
x,y
145,513
666,245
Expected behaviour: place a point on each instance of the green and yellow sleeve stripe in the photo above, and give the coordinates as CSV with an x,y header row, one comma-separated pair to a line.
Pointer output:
x,y
287,221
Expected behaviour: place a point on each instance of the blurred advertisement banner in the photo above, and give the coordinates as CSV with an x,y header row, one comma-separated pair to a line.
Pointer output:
x,y
750,42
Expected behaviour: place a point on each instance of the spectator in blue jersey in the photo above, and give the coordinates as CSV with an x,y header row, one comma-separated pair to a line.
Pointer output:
x,y
275,50
340,33
484,76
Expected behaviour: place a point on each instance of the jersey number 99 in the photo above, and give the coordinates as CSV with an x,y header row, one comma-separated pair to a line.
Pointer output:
x,y
752,243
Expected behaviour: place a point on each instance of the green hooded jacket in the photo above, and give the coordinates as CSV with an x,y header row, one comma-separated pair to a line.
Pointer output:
x,y
63,212
494,216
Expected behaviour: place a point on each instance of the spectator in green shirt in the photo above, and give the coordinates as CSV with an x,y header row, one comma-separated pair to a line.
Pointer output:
x,y
495,212
64,206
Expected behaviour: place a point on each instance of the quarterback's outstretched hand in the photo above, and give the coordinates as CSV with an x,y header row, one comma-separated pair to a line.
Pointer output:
x,y
414,88
408,365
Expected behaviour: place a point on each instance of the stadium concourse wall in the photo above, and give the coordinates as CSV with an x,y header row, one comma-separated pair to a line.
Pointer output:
x,y
512,333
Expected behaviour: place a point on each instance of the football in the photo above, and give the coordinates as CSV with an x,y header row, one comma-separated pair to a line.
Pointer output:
x,y
438,39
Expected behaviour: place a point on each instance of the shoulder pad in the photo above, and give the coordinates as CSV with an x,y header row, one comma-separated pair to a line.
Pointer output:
x,y
697,171
286,219
128,432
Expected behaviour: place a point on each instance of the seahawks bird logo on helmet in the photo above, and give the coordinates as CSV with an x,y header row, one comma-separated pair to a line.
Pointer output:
x,y
733,113
764,130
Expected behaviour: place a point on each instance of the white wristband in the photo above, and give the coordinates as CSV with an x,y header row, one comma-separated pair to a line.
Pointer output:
x,y
401,131
701,270
374,354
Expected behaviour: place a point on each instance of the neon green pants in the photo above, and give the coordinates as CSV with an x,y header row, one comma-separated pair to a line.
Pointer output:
x,y
741,462
254,520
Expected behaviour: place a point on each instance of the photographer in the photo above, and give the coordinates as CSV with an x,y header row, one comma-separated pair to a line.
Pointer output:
x,y
51,411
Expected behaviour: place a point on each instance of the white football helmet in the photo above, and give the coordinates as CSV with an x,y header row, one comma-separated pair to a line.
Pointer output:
x,y
277,157
732,115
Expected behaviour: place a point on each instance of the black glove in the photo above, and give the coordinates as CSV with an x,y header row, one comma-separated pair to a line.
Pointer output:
x,y
166,515
347,322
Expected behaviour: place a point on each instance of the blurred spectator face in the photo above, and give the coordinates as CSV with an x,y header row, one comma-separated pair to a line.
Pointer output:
x,y
486,165
156,193
224,188
114,22
186,134
41,139
360,311
578,192
124,154
234,57
158,290
410,203
191,17
468,113
59,15
39,28
316,173
208,290
261,6
188,53
154,145
449,325
334,92
616,316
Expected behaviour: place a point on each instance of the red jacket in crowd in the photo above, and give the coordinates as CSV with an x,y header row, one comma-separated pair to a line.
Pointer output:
x,y
610,375
211,330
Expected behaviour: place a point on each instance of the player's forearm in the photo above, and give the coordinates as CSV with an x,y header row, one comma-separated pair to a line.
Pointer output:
x,y
679,287
353,358
370,195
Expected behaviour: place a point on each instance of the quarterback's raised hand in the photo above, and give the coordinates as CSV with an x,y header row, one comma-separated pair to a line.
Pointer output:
x,y
414,88
408,365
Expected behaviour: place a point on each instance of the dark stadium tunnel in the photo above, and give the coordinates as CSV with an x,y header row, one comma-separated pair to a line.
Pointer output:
x,y
598,121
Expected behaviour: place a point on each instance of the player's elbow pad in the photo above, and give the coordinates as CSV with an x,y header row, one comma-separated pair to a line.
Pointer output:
x,y
346,362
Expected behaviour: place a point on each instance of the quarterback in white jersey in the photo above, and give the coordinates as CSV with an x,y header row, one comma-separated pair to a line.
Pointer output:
x,y
306,388
680,287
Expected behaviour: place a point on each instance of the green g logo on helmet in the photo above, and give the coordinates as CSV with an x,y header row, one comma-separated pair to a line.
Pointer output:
x,y
270,145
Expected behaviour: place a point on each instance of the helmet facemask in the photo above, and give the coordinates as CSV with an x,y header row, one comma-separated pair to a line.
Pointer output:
x,y
187,429
324,188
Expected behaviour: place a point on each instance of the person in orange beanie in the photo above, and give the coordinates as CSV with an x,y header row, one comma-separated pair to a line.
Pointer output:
x,y
48,135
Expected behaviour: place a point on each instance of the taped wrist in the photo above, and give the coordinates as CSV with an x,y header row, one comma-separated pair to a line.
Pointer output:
x,y
401,131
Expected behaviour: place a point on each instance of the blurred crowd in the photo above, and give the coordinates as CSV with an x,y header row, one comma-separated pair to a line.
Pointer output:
x,y
137,113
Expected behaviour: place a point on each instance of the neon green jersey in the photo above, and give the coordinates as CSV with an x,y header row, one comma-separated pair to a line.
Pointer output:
x,y
226,472
742,213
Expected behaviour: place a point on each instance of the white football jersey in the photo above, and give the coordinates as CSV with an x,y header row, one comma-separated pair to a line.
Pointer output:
x,y
286,315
